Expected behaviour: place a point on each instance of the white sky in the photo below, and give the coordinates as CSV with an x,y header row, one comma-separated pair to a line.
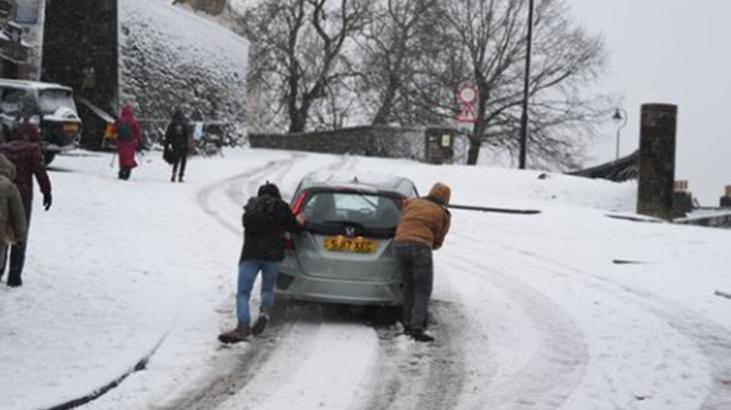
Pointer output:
x,y
671,51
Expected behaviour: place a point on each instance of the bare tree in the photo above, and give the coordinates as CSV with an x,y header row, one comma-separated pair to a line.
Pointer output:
x,y
301,43
566,60
421,50
391,50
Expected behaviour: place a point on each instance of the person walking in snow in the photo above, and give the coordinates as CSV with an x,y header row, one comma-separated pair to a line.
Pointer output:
x,y
266,218
24,151
422,226
129,137
13,227
175,145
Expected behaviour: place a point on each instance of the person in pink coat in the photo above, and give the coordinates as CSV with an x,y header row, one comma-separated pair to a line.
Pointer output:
x,y
129,137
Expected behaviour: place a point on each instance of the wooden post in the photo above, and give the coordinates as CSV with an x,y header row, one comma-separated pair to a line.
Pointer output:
x,y
657,160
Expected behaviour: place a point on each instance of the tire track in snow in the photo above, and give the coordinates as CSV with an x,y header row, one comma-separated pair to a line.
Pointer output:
x,y
713,340
226,381
559,364
421,376
233,371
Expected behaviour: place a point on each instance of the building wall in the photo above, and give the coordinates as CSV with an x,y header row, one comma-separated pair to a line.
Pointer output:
x,y
80,51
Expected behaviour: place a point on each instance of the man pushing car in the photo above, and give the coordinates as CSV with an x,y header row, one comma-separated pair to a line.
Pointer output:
x,y
423,224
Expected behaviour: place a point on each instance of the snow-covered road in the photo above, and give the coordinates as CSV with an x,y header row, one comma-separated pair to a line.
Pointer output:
x,y
530,311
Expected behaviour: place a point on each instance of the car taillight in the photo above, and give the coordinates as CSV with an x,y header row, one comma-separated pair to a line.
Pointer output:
x,y
298,203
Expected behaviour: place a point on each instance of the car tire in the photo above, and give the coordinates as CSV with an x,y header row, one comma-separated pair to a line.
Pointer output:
x,y
385,315
48,157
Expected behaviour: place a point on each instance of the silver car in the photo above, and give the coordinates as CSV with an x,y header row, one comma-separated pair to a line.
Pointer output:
x,y
345,254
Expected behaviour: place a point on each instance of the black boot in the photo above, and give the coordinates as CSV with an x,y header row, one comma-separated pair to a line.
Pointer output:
x,y
261,321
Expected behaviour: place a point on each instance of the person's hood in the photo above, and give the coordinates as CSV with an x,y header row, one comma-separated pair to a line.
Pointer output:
x,y
178,116
26,131
269,189
440,192
127,113
7,169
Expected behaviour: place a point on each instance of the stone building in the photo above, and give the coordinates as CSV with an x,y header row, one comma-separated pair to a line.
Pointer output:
x,y
21,38
150,54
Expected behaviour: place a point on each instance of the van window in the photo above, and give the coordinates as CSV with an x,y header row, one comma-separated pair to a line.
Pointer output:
x,y
12,100
53,99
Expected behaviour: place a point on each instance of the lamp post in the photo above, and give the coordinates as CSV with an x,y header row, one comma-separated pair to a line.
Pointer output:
x,y
619,117
526,90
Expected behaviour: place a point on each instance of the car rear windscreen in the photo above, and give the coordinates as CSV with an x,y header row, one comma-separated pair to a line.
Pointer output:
x,y
371,211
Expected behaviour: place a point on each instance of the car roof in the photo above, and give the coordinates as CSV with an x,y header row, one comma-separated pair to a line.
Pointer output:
x,y
32,84
369,182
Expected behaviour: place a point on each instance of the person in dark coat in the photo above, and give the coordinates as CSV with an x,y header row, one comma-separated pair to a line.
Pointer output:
x,y
266,219
25,153
129,137
176,144
422,227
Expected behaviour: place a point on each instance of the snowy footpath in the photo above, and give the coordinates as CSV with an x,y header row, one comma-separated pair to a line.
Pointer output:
x,y
127,285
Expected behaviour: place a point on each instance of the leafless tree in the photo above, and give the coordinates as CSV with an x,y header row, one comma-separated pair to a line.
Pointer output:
x,y
566,61
414,70
301,44
391,51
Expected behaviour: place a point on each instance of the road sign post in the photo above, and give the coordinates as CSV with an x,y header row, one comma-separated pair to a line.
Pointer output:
x,y
467,95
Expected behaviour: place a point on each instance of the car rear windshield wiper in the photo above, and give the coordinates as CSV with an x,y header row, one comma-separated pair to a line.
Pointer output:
x,y
343,222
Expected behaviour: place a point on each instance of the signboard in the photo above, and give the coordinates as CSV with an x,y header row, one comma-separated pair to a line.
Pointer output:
x,y
468,95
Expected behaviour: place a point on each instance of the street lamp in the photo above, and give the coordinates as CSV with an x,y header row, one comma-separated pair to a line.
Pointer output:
x,y
526,90
620,118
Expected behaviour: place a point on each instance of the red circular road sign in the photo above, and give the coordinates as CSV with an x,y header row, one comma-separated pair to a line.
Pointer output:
x,y
467,92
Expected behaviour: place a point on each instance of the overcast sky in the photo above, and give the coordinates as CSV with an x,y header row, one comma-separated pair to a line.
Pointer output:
x,y
671,51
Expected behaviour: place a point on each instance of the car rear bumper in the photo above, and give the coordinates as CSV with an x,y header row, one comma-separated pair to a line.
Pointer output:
x,y
306,288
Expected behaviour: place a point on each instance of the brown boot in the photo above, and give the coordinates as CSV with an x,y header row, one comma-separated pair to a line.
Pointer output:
x,y
237,335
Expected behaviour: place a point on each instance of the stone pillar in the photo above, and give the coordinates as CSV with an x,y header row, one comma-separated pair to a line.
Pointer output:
x,y
657,160
726,199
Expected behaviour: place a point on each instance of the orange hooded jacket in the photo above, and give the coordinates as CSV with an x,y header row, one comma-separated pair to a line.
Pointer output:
x,y
426,220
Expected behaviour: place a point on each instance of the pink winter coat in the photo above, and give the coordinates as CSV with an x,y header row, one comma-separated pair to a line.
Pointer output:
x,y
126,149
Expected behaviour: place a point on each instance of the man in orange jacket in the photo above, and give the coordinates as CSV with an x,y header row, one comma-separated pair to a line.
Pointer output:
x,y
423,224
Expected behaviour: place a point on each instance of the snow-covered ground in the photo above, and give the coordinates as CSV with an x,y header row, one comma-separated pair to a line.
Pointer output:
x,y
567,309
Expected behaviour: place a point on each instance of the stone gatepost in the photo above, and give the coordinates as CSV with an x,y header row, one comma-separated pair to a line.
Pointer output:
x,y
657,160
726,199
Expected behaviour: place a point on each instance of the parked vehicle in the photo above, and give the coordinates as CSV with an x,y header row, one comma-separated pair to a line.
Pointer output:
x,y
51,105
345,253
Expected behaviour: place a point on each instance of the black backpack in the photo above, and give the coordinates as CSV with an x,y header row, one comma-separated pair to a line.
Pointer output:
x,y
259,215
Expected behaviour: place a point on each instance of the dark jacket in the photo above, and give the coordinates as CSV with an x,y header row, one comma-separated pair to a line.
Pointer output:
x,y
268,245
176,135
28,160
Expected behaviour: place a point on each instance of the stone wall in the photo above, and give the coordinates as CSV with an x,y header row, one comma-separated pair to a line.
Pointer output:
x,y
170,57
372,141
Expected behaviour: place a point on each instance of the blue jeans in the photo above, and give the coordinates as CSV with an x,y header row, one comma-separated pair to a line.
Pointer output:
x,y
247,275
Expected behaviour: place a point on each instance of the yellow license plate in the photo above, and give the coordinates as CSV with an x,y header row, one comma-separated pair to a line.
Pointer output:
x,y
351,245
70,128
